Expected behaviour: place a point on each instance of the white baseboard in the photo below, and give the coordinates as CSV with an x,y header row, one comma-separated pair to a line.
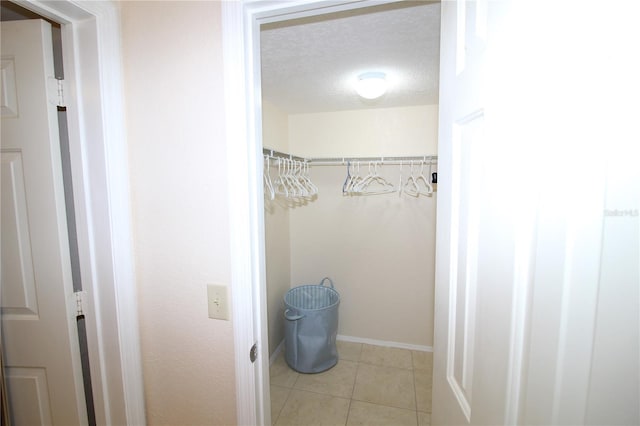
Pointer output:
x,y
385,343
275,353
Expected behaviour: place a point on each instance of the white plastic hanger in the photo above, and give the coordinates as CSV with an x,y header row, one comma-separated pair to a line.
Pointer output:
x,y
268,185
306,180
373,183
280,184
427,188
411,186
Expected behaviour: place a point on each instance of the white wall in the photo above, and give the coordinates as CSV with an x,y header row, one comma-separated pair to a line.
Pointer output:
x,y
172,58
276,218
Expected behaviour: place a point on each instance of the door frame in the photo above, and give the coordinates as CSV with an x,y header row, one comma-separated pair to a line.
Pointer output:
x,y
241,22
98,151
556,234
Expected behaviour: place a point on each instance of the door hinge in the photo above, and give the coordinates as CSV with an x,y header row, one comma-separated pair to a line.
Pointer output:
x,y
56,91
80,303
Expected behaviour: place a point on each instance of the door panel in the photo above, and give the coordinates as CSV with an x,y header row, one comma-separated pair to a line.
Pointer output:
x,y
537,245
466,176
461,353
8,100
18,283
38,324
29,390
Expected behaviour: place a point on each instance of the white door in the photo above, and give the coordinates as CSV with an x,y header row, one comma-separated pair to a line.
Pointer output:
x,y
39,339
475,242
537,275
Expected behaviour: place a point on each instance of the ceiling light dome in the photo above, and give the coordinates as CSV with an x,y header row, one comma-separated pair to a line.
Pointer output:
x,y
371,85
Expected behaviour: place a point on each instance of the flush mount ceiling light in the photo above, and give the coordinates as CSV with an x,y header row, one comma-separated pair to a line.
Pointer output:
x,y
371,85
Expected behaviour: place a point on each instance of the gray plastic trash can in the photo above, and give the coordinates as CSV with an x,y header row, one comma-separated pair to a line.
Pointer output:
x,y
311,327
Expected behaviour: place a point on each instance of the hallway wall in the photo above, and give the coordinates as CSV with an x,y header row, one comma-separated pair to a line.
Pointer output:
x,y
175,113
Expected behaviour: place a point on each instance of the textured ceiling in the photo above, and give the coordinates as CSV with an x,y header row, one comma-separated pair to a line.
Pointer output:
x,y
310,64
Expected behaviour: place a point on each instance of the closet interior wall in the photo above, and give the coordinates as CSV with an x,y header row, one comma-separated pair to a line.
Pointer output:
x,y
275,134
379,250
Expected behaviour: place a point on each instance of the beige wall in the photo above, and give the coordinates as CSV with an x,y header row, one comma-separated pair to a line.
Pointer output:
x,y
275,127
380,250
367,132
276,218
175,128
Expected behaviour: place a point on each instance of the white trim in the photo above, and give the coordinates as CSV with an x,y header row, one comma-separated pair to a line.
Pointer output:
x,y
277,352
92,58
374,342
251,408
241,57
523,279
579,304
385,343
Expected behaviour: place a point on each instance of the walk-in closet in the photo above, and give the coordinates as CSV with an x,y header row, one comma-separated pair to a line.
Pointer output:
x,y
350,193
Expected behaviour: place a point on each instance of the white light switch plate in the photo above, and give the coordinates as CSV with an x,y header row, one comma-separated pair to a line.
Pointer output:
x,y
218,302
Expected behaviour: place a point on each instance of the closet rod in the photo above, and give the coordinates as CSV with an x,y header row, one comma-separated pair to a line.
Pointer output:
x,y
277,154
380,160
343,160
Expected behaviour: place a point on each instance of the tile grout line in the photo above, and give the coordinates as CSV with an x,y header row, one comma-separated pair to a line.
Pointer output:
x,y
359,363
415,396
353,388
290,390
415,389
274,421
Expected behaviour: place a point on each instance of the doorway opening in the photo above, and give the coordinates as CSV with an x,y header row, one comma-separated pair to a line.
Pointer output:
x,y
13,12
378,249
95,155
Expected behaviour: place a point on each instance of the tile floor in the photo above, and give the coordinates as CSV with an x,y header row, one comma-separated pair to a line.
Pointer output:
x,y
370,385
